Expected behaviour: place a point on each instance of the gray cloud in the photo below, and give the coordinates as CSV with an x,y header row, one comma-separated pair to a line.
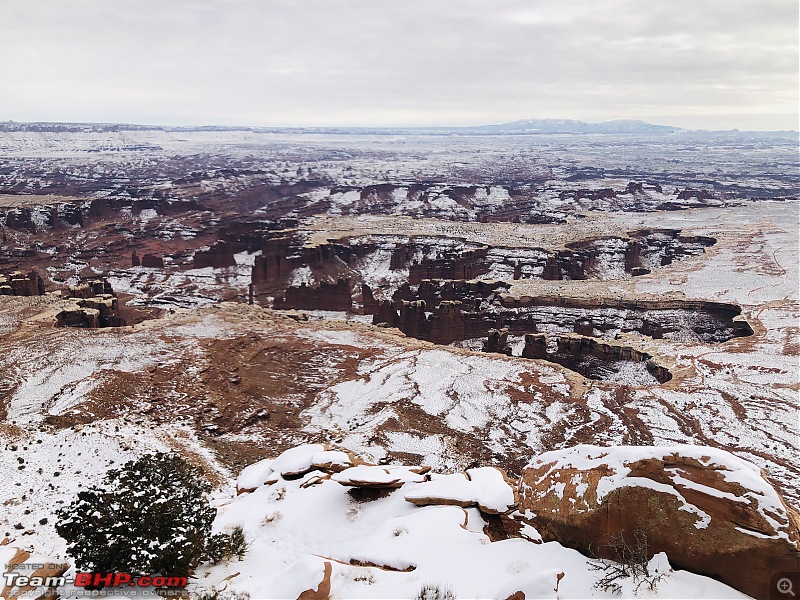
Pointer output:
x,y
712,64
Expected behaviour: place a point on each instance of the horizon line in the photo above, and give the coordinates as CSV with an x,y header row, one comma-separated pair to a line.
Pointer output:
x,y
386,127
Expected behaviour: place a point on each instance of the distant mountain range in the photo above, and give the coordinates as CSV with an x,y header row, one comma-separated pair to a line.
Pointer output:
x,y
572,126
522,127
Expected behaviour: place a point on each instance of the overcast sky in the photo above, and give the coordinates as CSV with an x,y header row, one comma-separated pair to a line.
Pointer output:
x,y
693,63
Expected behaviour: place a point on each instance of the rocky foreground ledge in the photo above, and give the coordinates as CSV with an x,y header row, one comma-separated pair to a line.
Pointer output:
x,y
321,522
324,523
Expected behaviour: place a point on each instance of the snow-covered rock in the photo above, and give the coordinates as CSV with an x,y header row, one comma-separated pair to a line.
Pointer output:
x,y
255,475
375,476
487,488
709,510
310,537
302,459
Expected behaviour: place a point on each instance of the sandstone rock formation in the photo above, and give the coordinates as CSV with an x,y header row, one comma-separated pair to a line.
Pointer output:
x,y
295,463
323,590
90,288
368,301
711,512
574,345
700,195
152,261
488,488
217,256
604,193
380,477
552,270
325,296
95,305
466,264
707,321
468,292
386,314
497,341
21,284
535,346
78,316
90,313
447,324
281,251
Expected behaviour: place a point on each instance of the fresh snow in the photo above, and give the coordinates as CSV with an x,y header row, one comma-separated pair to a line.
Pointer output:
x,y
297,530
732,468
484,486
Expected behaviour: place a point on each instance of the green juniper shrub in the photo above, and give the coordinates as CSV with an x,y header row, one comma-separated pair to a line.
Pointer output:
x,y
151,517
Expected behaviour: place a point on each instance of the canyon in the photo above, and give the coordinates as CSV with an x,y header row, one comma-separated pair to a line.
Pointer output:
x,y
454,303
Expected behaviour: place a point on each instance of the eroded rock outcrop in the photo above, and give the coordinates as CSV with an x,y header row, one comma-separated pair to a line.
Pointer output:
x,y
386,314
325,296
700,195
447,324
535,346
469,292
218,256
601,316
368,301
488,488
294,463
464,264
710,511
497,341
380,477
90,289
21,284
397,523
573,345
90,313
94,305
152,261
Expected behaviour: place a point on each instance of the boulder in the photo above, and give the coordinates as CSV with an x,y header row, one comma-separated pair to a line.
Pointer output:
x,y
254,476
293,464
488,488
380,477
711,512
